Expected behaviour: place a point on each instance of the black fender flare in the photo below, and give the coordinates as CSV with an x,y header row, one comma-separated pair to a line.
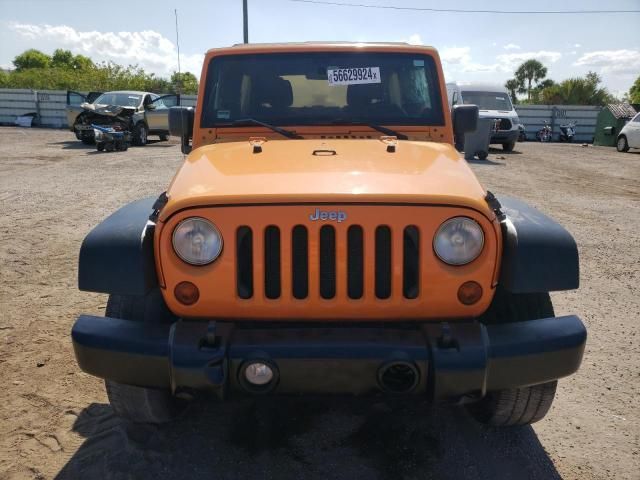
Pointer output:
x,y
117,256
539,255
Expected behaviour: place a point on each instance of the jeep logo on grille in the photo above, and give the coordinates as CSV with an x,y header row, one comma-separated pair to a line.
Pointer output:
x,y
333,215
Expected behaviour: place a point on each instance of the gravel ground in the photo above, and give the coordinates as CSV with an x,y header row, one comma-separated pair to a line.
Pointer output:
x,y
56,422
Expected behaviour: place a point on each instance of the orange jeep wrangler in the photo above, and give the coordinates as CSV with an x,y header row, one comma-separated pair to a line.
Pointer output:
x,y
323,236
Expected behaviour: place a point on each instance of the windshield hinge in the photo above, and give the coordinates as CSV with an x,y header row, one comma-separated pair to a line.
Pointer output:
x,y
391,141
158,205
494,204
256,143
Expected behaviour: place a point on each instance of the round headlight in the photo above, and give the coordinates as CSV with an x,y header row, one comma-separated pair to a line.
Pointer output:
x,y
458,241
197,241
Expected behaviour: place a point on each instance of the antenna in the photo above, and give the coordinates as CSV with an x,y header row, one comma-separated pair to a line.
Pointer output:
x,y
245,21
178,43
179,85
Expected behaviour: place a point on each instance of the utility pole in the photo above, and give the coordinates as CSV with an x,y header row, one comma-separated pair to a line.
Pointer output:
x,y
245,21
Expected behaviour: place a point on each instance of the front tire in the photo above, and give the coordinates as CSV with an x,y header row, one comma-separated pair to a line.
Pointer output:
x,y
508,146
141,404
163,137
622,145
517,406
513,407
140,135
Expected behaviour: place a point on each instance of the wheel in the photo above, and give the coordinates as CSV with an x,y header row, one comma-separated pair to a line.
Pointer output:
x,y
517,406
100,146
163,137
482,155
621,144
140,134
140,404
110,147
508,147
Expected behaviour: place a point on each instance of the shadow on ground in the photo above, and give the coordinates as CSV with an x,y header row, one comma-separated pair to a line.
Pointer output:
x,y
305,439
78,145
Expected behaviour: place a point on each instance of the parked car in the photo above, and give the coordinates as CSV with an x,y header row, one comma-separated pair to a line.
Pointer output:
x,y
141,113
493,102
629,136
323,237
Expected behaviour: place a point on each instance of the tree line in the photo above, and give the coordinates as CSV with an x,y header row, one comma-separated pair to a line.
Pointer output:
x,y
530,78
65,71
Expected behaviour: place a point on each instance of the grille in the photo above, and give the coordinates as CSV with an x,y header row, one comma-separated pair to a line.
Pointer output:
x,y
390,251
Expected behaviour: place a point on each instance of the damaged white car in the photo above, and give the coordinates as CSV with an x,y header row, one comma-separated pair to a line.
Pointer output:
x,y
140,113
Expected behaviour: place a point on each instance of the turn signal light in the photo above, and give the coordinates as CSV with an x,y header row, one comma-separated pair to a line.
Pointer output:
x,y
469,293
186,293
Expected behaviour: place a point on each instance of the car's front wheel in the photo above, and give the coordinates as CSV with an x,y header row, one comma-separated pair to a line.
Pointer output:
x,y
141,404
508,146
140,135
516,406
163,137
622,145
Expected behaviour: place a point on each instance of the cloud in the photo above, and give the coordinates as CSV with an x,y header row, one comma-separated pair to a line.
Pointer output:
x,y
511,46
459,58
455,55
148,49
508,62
414,39
611,61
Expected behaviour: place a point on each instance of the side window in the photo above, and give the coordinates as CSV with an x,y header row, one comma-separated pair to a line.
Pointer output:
x,y
166,101
455,98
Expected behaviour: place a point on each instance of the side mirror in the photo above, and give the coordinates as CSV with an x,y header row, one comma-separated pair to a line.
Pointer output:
x,y
464,118
151,106
181,125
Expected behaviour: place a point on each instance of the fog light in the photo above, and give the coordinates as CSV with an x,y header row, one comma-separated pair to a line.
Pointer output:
x,y
469,293
186,293
258,373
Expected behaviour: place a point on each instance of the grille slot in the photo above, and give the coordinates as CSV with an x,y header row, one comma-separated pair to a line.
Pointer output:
x,y
298,267
411,262
300,262
355,262
383,262
272,262
244,262
327,262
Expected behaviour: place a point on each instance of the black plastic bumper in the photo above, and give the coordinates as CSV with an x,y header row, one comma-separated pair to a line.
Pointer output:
x,y
505,136
450,360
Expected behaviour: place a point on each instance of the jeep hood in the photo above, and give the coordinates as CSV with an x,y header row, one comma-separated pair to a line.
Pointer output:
x,y
334,171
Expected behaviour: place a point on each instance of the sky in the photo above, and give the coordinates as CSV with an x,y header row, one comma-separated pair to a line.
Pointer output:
x,y
473,46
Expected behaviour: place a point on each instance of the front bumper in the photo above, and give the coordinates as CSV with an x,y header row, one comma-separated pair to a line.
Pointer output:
x,y
505,136
453,361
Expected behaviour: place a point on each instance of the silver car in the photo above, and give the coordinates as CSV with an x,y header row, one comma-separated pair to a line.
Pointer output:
x,y
141,113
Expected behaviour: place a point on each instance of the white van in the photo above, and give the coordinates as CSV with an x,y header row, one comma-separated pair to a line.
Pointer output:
x,y
494,102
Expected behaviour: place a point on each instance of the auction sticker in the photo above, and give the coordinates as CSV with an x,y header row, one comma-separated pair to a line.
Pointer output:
x,y
353,76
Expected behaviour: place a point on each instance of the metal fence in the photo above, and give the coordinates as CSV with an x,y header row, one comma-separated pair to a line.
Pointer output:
x,y
49,108
585,117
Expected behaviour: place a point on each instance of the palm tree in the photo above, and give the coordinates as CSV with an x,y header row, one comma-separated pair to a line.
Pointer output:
x,y
529,72
512,85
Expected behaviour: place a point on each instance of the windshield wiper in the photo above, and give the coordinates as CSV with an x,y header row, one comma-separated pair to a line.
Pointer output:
x,y
253,121
379,128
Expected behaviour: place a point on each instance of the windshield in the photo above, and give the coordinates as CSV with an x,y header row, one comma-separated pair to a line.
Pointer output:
x,y
488,100
323,88
119,99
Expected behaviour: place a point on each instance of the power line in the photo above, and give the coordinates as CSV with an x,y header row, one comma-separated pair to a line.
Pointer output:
x,y
454,10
